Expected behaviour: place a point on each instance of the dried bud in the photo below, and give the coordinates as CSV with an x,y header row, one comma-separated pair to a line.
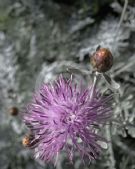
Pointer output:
x,y
13,111
26,141
102,60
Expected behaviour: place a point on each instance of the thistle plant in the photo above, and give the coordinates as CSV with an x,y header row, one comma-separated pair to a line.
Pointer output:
x,y
64,116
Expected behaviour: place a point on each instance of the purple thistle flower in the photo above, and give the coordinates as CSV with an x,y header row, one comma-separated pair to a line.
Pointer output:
x,y
62,116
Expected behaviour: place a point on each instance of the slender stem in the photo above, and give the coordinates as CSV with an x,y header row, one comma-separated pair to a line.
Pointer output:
x,y
96,77
120,22
110,153
122,14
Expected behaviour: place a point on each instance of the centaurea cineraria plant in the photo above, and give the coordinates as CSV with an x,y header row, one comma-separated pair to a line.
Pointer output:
x,y
64,116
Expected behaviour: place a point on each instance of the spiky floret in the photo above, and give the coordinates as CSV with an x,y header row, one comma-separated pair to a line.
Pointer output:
x,y
63,117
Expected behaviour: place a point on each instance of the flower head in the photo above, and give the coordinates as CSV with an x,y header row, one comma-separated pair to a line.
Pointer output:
x,y
63,117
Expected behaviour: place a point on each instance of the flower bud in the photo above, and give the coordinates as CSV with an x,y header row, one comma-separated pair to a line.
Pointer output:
x,y
102,60
13,111
26,141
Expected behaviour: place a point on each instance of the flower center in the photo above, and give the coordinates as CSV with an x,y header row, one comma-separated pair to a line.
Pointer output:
x,y
71,118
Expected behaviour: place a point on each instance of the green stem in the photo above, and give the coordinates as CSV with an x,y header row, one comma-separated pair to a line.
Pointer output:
x,y
96,77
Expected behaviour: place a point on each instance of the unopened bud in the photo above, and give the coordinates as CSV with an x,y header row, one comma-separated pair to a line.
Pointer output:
x,y
13,111
102,60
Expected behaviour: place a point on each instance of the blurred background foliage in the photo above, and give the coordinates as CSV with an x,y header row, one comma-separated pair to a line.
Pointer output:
x,y
39,40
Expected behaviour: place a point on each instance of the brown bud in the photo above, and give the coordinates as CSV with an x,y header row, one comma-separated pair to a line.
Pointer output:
x,y
13,111
102,60
26,141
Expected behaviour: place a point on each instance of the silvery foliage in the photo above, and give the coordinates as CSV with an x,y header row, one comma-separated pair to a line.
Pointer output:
x,y
36,48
